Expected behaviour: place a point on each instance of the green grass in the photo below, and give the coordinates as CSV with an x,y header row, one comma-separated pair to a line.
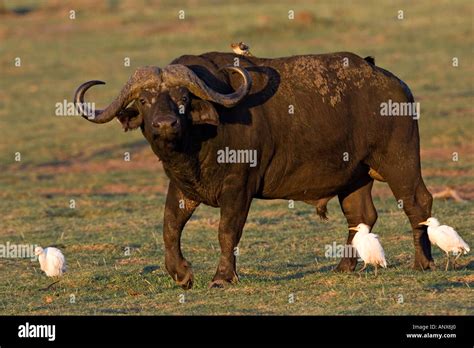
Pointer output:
x,y
120,204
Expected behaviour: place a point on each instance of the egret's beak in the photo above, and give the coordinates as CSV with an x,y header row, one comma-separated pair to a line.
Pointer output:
x,y
424,223
353,229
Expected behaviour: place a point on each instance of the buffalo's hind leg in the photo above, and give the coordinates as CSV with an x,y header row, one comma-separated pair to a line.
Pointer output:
x,y
178,210
408,187
357,206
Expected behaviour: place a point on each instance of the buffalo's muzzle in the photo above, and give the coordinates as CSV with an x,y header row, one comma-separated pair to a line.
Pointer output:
x,y
166,126
166,123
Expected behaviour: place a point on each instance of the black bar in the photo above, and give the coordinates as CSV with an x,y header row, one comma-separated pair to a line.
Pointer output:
x,y
106,330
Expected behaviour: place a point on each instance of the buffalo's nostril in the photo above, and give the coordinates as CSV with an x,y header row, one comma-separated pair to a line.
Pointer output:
x,y
165,124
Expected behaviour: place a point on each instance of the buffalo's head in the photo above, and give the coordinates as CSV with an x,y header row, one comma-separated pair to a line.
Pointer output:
x,y
163,101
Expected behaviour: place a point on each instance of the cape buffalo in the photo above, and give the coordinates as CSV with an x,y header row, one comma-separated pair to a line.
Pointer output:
x,y
314,122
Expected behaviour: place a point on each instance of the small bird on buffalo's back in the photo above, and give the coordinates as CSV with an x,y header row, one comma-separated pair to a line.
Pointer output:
x,y
446,238
51,260
241,48
368,247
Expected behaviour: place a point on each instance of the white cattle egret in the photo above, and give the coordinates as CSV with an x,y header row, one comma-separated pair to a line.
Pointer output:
x,y
368,247
51,260
446,238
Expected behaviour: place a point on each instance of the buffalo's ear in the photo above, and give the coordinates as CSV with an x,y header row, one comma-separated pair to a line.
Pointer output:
x,y
130,118
203,112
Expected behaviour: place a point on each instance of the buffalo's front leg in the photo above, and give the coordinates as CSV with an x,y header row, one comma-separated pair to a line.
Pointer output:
x,y
234,210
178,210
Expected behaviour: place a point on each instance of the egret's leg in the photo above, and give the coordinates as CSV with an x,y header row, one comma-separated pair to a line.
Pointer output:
x,y
365,266
50,285
456,258
447,261
376,270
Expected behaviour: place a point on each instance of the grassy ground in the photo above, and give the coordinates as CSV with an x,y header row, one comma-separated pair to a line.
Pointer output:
x,y
119,204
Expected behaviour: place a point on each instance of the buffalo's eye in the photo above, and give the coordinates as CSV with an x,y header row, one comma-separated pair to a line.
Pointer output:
x,y
184,99
142,101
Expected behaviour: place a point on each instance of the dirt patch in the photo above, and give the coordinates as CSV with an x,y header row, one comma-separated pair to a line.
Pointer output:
x,y
469,279
438,153
107,190
465,191
140,159
305,18
448,173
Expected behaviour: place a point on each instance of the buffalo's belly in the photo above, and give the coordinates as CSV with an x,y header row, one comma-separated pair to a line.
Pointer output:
x,y
307,182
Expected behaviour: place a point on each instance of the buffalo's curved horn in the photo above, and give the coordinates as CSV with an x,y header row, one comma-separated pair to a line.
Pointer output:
x,y
146,77
181,75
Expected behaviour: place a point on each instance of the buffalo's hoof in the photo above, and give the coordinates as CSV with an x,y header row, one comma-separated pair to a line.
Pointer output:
x,y
424,264
183,275
346,265
219,284
187,282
